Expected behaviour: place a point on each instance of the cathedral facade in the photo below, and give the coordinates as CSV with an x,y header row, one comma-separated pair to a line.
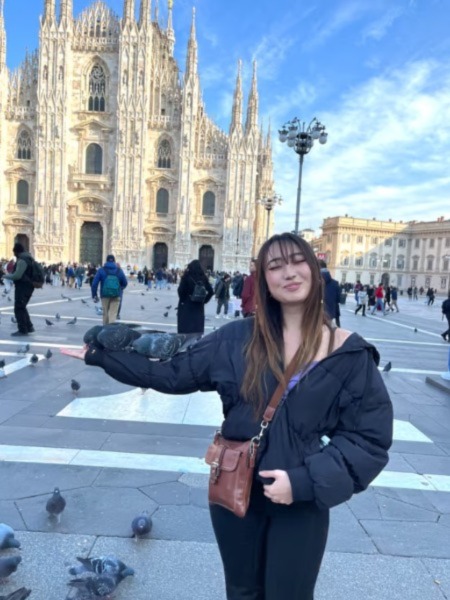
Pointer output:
x,y
105,148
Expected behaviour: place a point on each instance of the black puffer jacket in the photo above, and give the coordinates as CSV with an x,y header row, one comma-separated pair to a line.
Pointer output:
x,y
343,397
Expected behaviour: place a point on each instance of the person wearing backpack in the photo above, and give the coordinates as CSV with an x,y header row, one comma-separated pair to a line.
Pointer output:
x,y
194,292
112,282
22,276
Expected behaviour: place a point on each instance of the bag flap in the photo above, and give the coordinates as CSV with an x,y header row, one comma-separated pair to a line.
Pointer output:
x,y
220,456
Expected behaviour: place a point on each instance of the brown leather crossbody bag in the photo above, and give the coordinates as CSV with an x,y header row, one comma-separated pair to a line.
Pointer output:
x,y
233,463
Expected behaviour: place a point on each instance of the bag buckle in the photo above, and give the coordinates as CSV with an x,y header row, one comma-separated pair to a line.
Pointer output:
x,y
215,471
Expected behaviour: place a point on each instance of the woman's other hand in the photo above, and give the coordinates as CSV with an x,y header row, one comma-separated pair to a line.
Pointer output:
x,y
79,353
280,491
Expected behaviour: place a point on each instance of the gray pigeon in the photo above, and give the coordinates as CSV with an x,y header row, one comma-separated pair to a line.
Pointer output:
x,y
116,336
56,504
48,322
141,525
20,594
2,363
142,307
72,321
75,386
387,367
166,314
57,316
159,345
7,539
9,565
102,565
9,298
48,354
34,359
23,349
83,301
91,585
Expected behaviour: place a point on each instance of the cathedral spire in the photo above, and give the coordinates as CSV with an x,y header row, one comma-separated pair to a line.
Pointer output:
x,y
192,60
2,39
156,11
66,11
253,103
170,31
49,11
269,138
128,11
236,117
144,16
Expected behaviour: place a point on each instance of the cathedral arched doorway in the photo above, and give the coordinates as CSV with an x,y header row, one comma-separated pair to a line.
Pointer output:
x,y
160,255
91,243
23,239
206,257
385,279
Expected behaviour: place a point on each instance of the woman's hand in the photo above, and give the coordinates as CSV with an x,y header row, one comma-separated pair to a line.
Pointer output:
x,y
280,491
79,353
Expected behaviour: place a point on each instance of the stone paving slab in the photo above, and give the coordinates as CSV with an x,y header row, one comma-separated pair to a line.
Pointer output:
x,y
439,383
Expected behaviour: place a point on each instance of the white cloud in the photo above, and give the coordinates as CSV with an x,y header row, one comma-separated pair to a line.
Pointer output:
x,y
346,14
386,155
379,28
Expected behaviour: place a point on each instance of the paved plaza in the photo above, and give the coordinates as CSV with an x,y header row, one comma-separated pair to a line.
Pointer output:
x,y
115,451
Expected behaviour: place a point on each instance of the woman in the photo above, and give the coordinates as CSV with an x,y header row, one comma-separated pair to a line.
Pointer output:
x,y
191,314
329,437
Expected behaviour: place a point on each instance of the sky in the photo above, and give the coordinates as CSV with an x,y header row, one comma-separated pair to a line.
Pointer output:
x,y
376,73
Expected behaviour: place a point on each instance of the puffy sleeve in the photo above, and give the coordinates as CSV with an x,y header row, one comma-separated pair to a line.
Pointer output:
x,y
358,448
185,373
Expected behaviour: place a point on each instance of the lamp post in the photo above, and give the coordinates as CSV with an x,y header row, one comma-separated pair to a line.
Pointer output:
x,y
301,138
269,204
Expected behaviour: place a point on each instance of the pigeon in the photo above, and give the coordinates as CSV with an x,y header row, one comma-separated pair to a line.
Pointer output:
x,y
63,297
13,320
116,336
387,367
55,505
159,345
75,386
142,307
34,359
72,322
57,316
91,586
141,525
48,354
415,329
84,301
102,565
155,299
23,349
2,363
7,539
69,299
169,307
20,594
142,294
90,337
9,565
166,314
9,298
48,322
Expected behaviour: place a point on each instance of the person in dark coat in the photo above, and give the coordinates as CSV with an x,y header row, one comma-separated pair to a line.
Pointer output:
x,y
23,289
330,435
191,315
331,295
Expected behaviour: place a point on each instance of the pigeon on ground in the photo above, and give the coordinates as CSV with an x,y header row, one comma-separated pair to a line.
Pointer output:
x,y
2,363
56,505
75,386
69,299
23,349
63,297
169,307
13,320
387,367
9,298
155,299
9,565
141,525
34,359
72,321
159,345
142,294
84,301
166,314
20,594
57,316
48,322
91,585
48,354
7,539
102,565
142,307
415,329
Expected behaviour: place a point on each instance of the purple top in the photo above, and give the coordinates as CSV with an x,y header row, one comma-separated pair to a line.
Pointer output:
x,y
298,376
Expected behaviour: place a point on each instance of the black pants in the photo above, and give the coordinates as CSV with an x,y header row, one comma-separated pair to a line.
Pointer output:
x,y
274,552
447,333
358,308
22,295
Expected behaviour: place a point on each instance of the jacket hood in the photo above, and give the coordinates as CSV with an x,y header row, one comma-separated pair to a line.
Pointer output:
x,y
110,267
355,343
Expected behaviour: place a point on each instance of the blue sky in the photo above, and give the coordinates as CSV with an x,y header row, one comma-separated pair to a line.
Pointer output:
x,y
375,72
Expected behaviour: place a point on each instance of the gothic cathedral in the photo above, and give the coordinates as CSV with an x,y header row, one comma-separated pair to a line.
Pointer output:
x,y
103,148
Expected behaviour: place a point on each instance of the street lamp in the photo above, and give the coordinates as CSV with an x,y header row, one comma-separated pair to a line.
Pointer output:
x,y
301,138
269,204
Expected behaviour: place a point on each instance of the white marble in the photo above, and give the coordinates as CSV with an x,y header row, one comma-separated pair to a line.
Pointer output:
x,y
404,431
400,480
204,408
37,454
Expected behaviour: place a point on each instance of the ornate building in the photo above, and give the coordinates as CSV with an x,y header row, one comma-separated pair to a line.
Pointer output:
x,y
402,254
103,148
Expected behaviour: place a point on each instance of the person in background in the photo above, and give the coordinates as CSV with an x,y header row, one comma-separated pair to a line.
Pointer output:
x,y
23,289
248,292
331,296
362,301
191,314
446,314
112,282
222,294
394,298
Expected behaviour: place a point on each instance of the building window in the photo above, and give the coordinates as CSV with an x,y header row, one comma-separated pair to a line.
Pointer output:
x,y
443,283
399,280
94,159
447,242
430,262
24,146
359,239
359,261
343,277
97,89
400,262
23,192
446,264
162,201
372,279
346,237
373,261
417,243
388,242
427,281
209,204
402,243
358,276
413,281
387,261
164,155
374,240
415,264
431,242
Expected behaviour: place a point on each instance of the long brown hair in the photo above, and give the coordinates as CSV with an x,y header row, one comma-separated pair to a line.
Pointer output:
x,y
265,350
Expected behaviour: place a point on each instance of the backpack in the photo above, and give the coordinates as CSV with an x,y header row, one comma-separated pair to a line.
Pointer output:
x,y
199,294
37,274
111,287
